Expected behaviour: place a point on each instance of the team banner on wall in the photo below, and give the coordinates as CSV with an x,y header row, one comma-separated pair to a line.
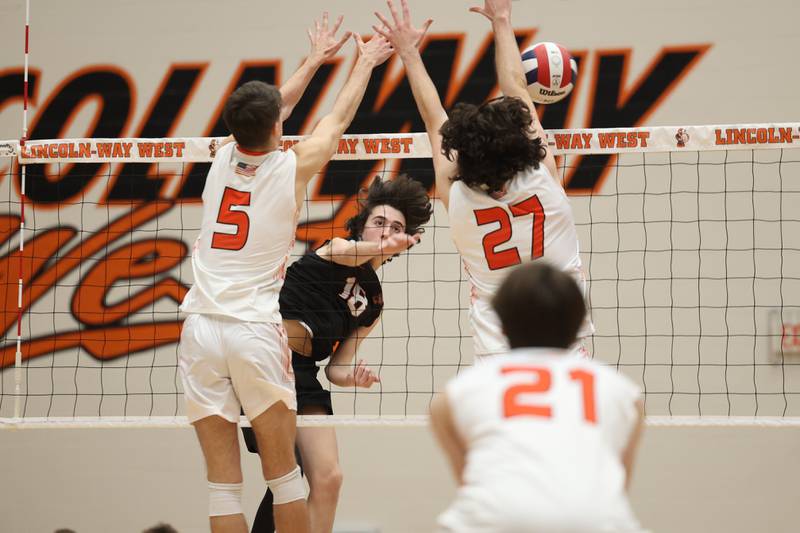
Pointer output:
x,y
414,145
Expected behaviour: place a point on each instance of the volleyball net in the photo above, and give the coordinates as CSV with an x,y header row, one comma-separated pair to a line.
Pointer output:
x,y
690,239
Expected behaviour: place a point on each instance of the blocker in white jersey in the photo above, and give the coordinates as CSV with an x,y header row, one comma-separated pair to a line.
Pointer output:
x,y
250,205
545,432
494,172
530,219
239,260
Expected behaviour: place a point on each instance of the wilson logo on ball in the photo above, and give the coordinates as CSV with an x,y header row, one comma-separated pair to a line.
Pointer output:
x,y
550,71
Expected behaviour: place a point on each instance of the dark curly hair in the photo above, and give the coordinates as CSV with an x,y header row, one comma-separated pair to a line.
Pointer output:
x,y
405,194
493,142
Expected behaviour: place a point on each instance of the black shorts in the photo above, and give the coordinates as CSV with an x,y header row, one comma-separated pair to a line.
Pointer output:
x,y
310,392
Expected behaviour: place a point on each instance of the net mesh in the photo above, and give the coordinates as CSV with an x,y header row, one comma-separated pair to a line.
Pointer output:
x,y
691,247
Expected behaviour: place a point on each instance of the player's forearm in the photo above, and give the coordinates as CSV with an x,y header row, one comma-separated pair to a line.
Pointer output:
x,y
508,63
353,253
346,105
339,370
425,95
292,90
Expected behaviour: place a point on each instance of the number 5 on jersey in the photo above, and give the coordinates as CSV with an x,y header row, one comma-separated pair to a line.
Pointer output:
x,y
510,256
232,241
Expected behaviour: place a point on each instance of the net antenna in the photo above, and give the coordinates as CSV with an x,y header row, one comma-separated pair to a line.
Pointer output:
x,y
23,138
689,237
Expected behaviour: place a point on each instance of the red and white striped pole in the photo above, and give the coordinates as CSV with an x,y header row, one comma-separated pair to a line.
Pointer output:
x,y
18,356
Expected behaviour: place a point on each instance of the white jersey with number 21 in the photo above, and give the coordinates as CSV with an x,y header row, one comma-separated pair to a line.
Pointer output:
x,y
545,431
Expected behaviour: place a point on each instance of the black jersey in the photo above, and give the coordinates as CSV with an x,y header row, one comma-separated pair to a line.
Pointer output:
x,y
333,300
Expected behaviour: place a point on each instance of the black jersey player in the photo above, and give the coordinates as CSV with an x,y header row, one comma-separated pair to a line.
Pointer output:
x,y
330,301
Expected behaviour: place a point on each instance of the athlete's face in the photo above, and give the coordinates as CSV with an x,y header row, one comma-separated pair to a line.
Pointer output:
x,y
383,221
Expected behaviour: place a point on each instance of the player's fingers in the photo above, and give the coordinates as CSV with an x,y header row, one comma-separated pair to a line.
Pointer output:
x,y
406,11
325,20
480,11
424,30
338,23
316,26
383,19
335,48
310,37
381,31
393,11
357,38
360,366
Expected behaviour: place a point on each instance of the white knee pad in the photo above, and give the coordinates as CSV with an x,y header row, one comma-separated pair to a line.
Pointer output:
x,y
288,488
224,498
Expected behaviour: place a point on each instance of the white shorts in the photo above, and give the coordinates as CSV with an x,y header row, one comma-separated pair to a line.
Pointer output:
x,y
228,364
488,337
487,333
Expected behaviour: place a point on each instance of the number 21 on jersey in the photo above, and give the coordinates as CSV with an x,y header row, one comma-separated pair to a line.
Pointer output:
x,y
510,256
514,404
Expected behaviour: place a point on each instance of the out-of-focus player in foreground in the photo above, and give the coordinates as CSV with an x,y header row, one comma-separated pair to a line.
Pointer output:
x,y
233,352
494,173
539,439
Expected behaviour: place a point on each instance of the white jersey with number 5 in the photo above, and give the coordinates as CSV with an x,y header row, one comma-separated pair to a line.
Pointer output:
x,y
248,228
545,433
531,220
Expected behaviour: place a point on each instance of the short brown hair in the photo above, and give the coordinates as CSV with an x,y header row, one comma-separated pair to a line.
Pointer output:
x,y
539,306
251,112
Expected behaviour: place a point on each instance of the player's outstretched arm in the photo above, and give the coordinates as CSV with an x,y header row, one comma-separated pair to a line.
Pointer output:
x,y
508,65
319,147
629,454
324,46
405,39
445,431
354,253
340,369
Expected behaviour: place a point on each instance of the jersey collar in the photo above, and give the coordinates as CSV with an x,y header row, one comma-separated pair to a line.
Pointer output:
x,y
250,157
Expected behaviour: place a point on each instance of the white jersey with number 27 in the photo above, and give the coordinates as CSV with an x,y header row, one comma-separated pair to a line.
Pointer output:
x,y
545,432
531,220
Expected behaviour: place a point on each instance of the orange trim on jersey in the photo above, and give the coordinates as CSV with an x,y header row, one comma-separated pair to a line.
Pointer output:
x,y
251,152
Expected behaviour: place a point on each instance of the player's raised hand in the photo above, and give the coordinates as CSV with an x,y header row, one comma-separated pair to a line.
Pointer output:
x,y
363,376
377,50
494,9
324,43
400,32
397,243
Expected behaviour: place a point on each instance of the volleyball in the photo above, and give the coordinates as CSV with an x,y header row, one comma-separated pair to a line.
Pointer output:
x,y
550,70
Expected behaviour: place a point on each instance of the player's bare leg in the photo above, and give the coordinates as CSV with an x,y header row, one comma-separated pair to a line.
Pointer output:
x,y
219,441
320,455
275,432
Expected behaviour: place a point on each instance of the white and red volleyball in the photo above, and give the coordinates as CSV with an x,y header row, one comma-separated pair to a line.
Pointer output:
x,y
550,70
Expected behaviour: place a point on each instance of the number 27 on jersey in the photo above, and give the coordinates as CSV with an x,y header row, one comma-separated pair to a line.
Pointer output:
x,y
510,256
